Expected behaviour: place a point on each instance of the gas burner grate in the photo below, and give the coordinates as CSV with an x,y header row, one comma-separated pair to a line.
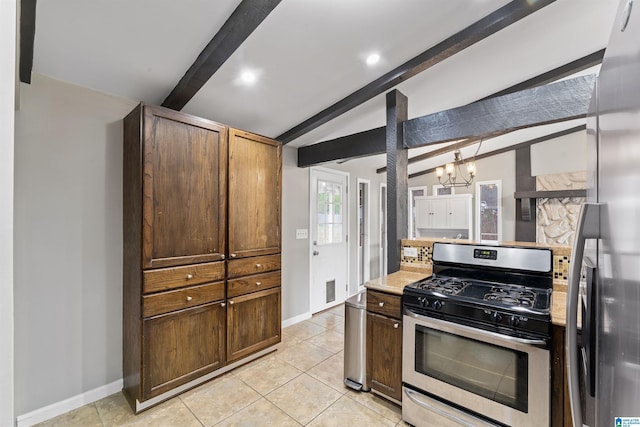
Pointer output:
x,y
447,286
512,296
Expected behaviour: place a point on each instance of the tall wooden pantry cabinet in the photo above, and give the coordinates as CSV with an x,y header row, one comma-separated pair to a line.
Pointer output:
x,y
202,233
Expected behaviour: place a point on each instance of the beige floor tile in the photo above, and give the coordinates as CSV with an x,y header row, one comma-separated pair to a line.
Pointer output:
x,y
349,412
328,320
303,398
260,413
377,404
219,399
305,355
269,374
114,410
85,416
331,372
337,310
303,330
170,414
329,340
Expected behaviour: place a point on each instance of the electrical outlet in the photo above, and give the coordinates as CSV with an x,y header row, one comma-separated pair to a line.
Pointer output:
x,y
410,252
302,233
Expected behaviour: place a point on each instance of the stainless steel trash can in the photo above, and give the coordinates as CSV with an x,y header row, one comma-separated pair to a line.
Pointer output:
x,y
355,334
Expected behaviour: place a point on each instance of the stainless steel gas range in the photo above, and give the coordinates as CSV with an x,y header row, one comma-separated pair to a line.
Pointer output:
x,y
476,338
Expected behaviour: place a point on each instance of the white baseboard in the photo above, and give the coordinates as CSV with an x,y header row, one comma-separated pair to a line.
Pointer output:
x,y
59,408
297,319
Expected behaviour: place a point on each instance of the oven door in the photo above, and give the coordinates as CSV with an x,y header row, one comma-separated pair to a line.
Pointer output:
x,y
502,378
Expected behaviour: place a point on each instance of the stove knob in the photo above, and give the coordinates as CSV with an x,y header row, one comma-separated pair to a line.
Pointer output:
x,y
437,305
424,301
513,321
496,317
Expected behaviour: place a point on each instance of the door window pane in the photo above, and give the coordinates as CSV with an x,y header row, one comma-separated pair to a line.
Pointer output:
x,y
489,210
329,213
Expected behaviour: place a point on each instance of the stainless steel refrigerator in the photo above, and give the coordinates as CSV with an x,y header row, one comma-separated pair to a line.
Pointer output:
x,y
604,281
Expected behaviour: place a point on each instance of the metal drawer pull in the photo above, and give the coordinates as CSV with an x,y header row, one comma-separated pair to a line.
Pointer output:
x,y
258,283
230,302
189,298
395,325
381,304
232,255
189,276
222,256
258,265
223,304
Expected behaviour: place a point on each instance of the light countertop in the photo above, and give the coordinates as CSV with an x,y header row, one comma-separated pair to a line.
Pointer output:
x,y
558,307
394,283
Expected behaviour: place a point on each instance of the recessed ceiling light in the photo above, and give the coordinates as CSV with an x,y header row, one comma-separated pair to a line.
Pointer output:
x,y
373,59
248,77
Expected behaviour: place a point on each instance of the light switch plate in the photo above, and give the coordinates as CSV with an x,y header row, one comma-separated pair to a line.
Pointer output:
x,y
410,252
302,233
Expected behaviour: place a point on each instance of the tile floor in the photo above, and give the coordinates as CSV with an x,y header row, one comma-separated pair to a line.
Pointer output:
x,y
300,384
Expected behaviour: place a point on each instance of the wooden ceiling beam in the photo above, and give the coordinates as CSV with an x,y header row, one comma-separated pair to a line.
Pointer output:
x,y
339,148
557,102
514,147
242,22
27,38
367,143
510,13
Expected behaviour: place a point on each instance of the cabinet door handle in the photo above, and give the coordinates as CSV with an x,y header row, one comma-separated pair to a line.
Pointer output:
x,y
258,265
189,276
381,304
232,255
223,304
189,298
258,283
222,256
230,302
396,325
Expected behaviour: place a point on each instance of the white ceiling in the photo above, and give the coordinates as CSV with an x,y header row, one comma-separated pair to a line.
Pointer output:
x,y
309,54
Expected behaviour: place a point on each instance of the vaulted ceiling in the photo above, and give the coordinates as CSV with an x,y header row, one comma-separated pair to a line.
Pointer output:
x,y
309,56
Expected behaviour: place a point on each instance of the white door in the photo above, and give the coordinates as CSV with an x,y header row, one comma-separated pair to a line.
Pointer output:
x,y
329,265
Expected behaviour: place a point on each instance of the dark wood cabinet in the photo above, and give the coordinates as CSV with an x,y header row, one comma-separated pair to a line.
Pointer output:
x,y
184,188
183,320
560,406
253,322
384,344
181,346
255,193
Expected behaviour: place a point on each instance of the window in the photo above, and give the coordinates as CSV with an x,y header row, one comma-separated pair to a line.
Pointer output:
x,y
413,193
329,212
489,211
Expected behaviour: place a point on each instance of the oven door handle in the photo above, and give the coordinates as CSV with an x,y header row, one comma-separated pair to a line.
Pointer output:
x,y
458,420
478,332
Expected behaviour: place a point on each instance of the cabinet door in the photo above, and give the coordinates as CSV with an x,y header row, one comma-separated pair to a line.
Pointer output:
x,y
184,189
253,323
440,209
424,213
384,355
459,213
181,346
255,181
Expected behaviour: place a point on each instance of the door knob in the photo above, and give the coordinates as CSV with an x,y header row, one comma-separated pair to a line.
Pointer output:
x,y
316,253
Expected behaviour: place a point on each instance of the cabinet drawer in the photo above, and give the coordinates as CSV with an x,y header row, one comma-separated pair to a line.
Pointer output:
x,y
166,302
259,264
254,283
177,277
385,304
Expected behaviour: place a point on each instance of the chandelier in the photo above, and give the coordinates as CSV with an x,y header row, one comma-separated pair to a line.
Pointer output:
x,y
454,171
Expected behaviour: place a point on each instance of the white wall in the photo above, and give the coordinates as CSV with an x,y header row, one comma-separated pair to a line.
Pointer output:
x,y
68,242
565,154
7,102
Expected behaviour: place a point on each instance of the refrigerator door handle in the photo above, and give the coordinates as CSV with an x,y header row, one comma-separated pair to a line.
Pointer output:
x,y
588,228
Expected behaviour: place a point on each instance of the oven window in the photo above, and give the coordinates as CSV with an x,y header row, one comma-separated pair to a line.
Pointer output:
x,y
493,372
